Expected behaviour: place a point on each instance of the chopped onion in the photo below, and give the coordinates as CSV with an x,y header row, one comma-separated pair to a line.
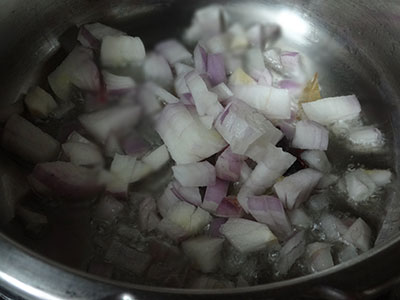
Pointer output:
x,y
359,185
290,252
200,59
140,171
263,77
117,85
65,180
238,37
28,141
330,110
157,158
317,160
161,93
229,208
229,165
123,166
172,230
380,177
91,35
39,103
310,135
115,119
83,154
288,129
318,202
274,165
254,60
157,69
214,195
135,145
114,185
112,146
148,218
148,100
366,136
327,180
167,200
319,255
121,51
173,51
216,68
188,194
204,252
207,105
195,83
185,136
269,210
223,91
247,236
241,126
195,174
219,43
291,62
182,69
78,69
256,151
333,227
349,252
273,102
296,188
240,77
359,234
299,218
215,226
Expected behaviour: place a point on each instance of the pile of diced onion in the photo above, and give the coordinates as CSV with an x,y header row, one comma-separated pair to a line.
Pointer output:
x,y
243,123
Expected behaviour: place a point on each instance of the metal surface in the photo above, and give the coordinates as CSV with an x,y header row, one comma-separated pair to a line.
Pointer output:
x,y
355,48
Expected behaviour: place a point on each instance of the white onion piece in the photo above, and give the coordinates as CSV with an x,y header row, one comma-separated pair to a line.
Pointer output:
x,y
359,185
75,137
135,145
90,35
116,84
240,77
254,60
288,128
359,234
366,136
157,69
214,195
167,200
182,69
79,69
140,171
195,83
256,151
188,194
290,252
245,173
200,59
319,256
206,22
310,135
123,166
229,208
274,165
273,102
241,126
121,51
114,185
207,105
238,37
349,252
229,165
318,202
39,103
247,236
223,91
204,252
380,177
108,209
173,51
296,188
333,227
67,181
330,110
13,189
195,174
185,136
115,119
172,230
269,210
180,84
216,68
233,62
317,160
112,146
218,43
157,158
28,141
299,218
82,154
148,218
161,94
188,217
263,77
327,180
